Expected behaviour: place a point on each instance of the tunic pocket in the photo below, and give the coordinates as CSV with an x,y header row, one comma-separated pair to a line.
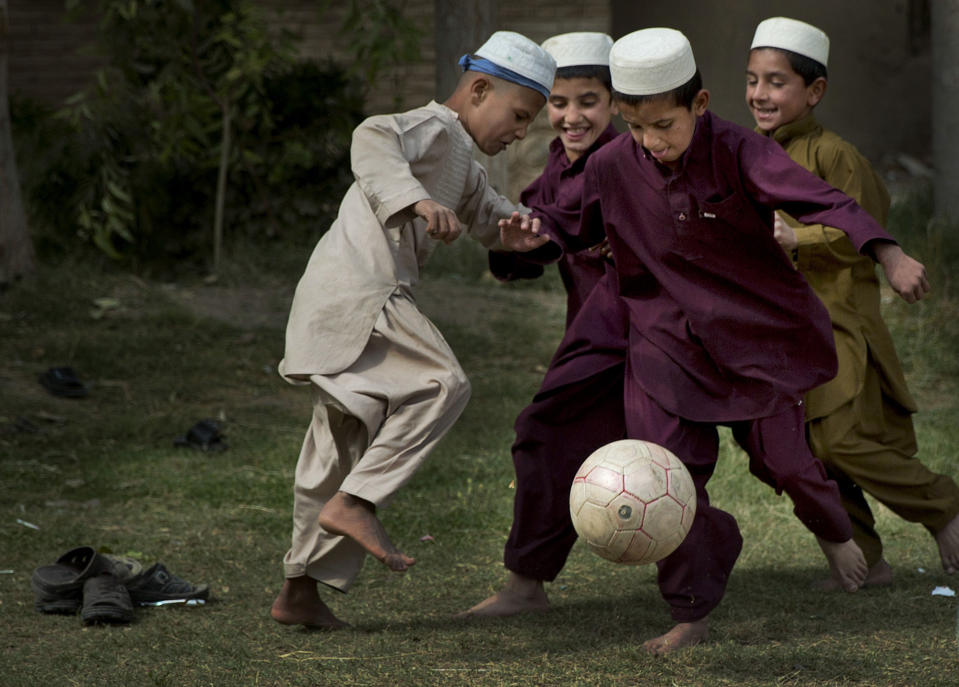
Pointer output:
x,y
715,226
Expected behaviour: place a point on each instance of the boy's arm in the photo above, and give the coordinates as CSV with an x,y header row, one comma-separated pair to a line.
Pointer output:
x,y
382,170
825,247
778,182
574,222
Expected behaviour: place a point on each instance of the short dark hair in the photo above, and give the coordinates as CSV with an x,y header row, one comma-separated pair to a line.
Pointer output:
x,y
808,68
682,96
600,72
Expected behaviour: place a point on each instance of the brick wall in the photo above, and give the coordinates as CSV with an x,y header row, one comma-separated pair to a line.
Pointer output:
x,y
46,59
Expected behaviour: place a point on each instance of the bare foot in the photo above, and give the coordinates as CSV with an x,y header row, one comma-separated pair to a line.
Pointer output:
x,y
298,603
879,575
681,636
846,562
948,540
354,517
520,594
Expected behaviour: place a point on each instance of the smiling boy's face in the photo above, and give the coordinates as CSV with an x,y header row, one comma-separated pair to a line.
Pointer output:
x,y
580,109
775,94
662,127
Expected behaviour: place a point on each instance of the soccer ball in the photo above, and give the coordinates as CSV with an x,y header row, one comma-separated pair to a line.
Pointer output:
x,y
632,502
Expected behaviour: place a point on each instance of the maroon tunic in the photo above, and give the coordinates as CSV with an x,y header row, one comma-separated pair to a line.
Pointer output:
x,y
562,181
722,327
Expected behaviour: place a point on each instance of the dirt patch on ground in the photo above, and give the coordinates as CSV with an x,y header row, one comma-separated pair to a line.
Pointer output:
x,y
239,306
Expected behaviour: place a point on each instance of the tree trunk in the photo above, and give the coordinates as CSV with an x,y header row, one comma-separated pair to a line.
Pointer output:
x,y
462,27
945,105
222,174
16,249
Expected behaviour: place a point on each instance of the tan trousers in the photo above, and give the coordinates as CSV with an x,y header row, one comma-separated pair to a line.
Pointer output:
x,y
869,445
373,426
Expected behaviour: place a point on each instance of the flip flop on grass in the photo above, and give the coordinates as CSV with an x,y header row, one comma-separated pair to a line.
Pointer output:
x,y
205,435
62,381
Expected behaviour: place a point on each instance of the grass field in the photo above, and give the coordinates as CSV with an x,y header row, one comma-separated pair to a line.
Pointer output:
x,y
158,356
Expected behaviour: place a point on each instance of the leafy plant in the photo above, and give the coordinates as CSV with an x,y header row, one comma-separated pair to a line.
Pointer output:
x,y
381,37
201,117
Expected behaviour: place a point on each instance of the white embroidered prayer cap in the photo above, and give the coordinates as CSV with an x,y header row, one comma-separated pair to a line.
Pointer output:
x,y
794,35
651,61
579,48
519,54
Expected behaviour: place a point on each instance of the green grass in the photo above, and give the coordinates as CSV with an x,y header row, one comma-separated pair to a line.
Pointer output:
x,y
103,471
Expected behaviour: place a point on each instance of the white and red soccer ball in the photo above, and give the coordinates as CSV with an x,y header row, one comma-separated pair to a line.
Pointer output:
x,y
632,502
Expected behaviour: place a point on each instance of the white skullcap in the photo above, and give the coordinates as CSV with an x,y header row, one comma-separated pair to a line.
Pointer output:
x,y
579,48
517,53
794,35
651,61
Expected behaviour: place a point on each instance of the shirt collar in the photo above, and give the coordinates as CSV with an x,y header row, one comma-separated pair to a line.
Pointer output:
x,y
556,149
787,132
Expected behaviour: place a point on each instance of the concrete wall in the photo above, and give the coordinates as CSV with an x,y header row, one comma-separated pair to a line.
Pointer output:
x,y
879,64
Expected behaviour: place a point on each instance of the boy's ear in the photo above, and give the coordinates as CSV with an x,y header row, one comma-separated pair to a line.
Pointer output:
x,y
613,105
479,89
700,102
815,91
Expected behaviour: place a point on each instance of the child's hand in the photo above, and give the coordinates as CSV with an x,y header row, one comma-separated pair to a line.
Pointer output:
x,y
905,275
603,249
784,234
442,224
520,233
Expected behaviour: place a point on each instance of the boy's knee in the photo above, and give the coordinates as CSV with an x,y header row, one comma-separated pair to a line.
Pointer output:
x,y
455,389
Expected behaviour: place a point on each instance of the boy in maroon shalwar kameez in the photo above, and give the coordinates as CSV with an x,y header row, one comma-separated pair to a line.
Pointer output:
x,y
722,330
579,406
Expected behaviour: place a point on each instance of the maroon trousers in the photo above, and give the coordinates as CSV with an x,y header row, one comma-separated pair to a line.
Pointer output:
x,y
693,578
589,398
578,408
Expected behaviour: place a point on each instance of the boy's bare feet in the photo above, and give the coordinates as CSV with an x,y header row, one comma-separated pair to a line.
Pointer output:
x,y
681,636
879,575
948,540
298,603
846,562
520,594
354,517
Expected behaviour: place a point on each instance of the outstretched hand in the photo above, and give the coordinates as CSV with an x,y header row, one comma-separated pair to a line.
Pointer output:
x,y
784,234
442,224
906,276
521,233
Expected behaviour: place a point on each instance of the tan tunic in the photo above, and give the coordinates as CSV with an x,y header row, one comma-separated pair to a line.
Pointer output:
x,y
845,281
376,245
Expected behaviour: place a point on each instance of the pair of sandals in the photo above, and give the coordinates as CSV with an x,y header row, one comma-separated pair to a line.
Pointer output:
x,y
82,580
105,588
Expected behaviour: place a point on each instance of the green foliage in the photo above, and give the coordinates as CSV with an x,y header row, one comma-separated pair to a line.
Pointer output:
x,y
382,36
188,87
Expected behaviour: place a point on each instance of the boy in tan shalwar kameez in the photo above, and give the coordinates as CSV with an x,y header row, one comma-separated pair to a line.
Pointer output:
x,y
386,385
859,424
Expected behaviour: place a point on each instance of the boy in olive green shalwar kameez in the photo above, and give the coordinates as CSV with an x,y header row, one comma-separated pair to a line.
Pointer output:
x,y
859,424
